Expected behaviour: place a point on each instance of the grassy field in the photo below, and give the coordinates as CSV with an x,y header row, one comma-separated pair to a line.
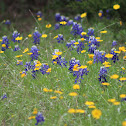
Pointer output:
x,y
25,93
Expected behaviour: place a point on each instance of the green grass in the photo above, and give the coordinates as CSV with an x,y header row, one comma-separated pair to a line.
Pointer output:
x,y
25,94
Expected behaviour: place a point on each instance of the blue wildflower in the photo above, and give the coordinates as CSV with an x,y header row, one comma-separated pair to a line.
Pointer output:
x,y
99,56
19,62
34,51
6,42
92,48
44,68
60,38
93,40
57,17
70,44
114,43
115,55
7,22
77,17
36,37
90,32
39,14
4,96
28,66
102,74
14,36
57,26
70,22
79,46
16,48
39,118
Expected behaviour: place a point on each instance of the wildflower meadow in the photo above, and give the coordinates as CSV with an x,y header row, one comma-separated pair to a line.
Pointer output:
x,y
66,71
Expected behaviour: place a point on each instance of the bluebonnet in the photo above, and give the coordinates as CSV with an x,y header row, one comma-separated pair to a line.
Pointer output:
x,y
19,62
44,68
7,22
6,42
76,29
60,38
79,74
93,40
4,96
90,32
16,48
58,59
123,99
99,56
34,51
28,66
80,46
39,118
36,37
114,43
70,44
14,36
102,74
63,18
73,62
115,55
77,17
107,14
57,17
57,26
39,14
70,22
92,48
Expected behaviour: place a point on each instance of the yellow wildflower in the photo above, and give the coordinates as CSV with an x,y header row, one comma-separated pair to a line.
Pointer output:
x,y
124,123
48,25
114,76
30,35
25,50
79,111
18,56
44,36
39,19
89,103
96,113
116,6
91,55
19,38
109,55
53,97
112,100
76,43
122,96
3,45
48,70
59,92
103,32
83,33
35,111
31,117
116,103
71,111
90,62
63,22
58,53
55,37
73,94
105,84
83,15
83,51
76,86
122,79
1,51
91,106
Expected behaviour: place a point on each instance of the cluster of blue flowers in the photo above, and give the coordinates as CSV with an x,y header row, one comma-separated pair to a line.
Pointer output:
x,y
14,36
39,118
76,29
17,48
102,74
34,53
99,56
36,37
115,55
57,59
60,38
77,70
39,14
5,42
